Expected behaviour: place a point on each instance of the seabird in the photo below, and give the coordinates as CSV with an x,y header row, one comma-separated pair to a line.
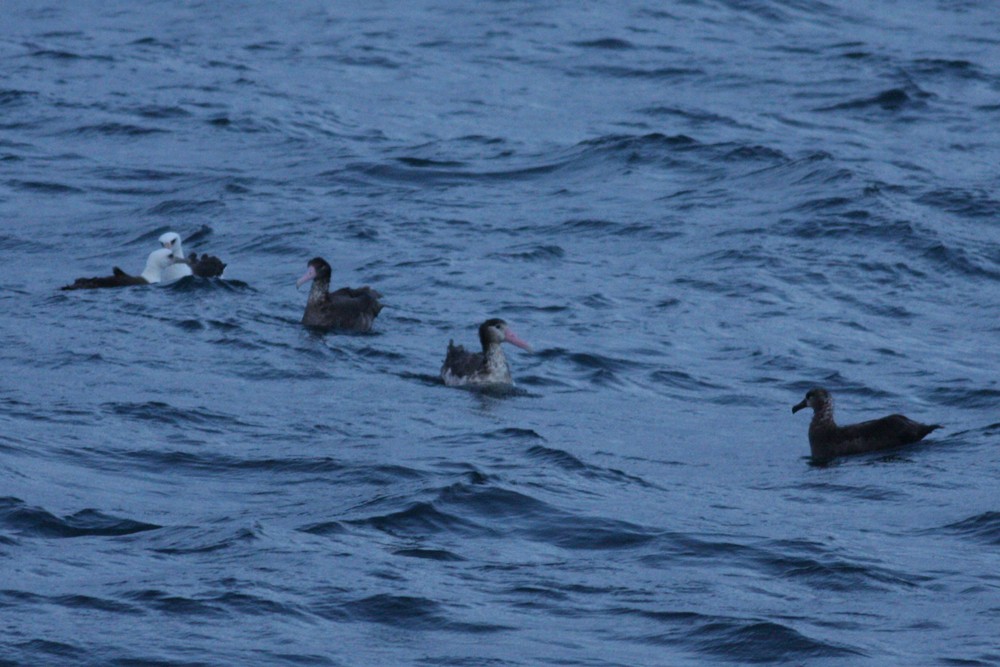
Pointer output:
x,y
205,266
827,440
347,308
488,367
157,262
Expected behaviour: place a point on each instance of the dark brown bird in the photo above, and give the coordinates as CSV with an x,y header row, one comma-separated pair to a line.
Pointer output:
x,y
158,262
347,308
827,440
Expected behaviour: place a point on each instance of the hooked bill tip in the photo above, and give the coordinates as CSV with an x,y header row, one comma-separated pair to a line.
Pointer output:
x,y
306,277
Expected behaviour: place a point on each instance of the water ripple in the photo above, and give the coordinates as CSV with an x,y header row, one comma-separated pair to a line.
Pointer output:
x,y
29,521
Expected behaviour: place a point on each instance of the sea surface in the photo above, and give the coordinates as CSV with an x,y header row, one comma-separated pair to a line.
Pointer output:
x,y
695,211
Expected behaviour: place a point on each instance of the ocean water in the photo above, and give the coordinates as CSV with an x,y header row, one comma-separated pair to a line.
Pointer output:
x,y
695,211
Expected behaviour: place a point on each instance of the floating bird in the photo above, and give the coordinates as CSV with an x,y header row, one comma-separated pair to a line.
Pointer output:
x,y
347,308
827,440
488,367
205,266
158,262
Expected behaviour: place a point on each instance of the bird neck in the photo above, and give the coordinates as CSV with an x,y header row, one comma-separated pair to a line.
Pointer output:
x,y
823,417
494,356
155,263
320,288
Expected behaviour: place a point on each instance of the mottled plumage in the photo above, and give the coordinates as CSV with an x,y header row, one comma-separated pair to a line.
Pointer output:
x,y
827,440
488,367
346,308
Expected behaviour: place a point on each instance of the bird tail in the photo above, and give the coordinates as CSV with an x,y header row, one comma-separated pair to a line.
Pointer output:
x,y
928,428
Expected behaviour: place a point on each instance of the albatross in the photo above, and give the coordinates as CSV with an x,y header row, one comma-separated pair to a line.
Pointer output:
x,y
205,266
347,308
156,264
489,367
827,440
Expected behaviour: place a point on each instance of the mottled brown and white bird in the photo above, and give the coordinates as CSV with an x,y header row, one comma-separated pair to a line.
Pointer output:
x,y
489,367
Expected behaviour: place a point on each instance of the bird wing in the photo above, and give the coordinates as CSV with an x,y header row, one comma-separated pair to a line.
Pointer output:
x,y
891,431
460,362
118,279
345,309
206,266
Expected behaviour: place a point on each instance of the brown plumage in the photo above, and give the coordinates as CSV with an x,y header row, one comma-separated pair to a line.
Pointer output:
x,y
827,440
118,279
348,308
156,263
205,266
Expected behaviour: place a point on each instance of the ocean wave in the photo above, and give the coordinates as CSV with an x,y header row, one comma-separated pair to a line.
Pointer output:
x,y
893,99
508,434
606,43
532,252
199,284
984,528
963,202
570,463
117,129
180,207
664,74
582,158
696,117
411,613
430,554
59,54
959,69
962,261
45,187
601,228
191,540
421,519
675,379
11,96
30,521
20,244
162,111
35,650
740,640
536,520
220,605
165,459
164,413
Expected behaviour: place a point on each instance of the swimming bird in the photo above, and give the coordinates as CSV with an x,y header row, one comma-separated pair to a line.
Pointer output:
x,y
205,266
347,308
827,440
157,262
488,367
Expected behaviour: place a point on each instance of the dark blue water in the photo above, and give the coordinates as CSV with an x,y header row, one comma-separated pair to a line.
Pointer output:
x,y
694,211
